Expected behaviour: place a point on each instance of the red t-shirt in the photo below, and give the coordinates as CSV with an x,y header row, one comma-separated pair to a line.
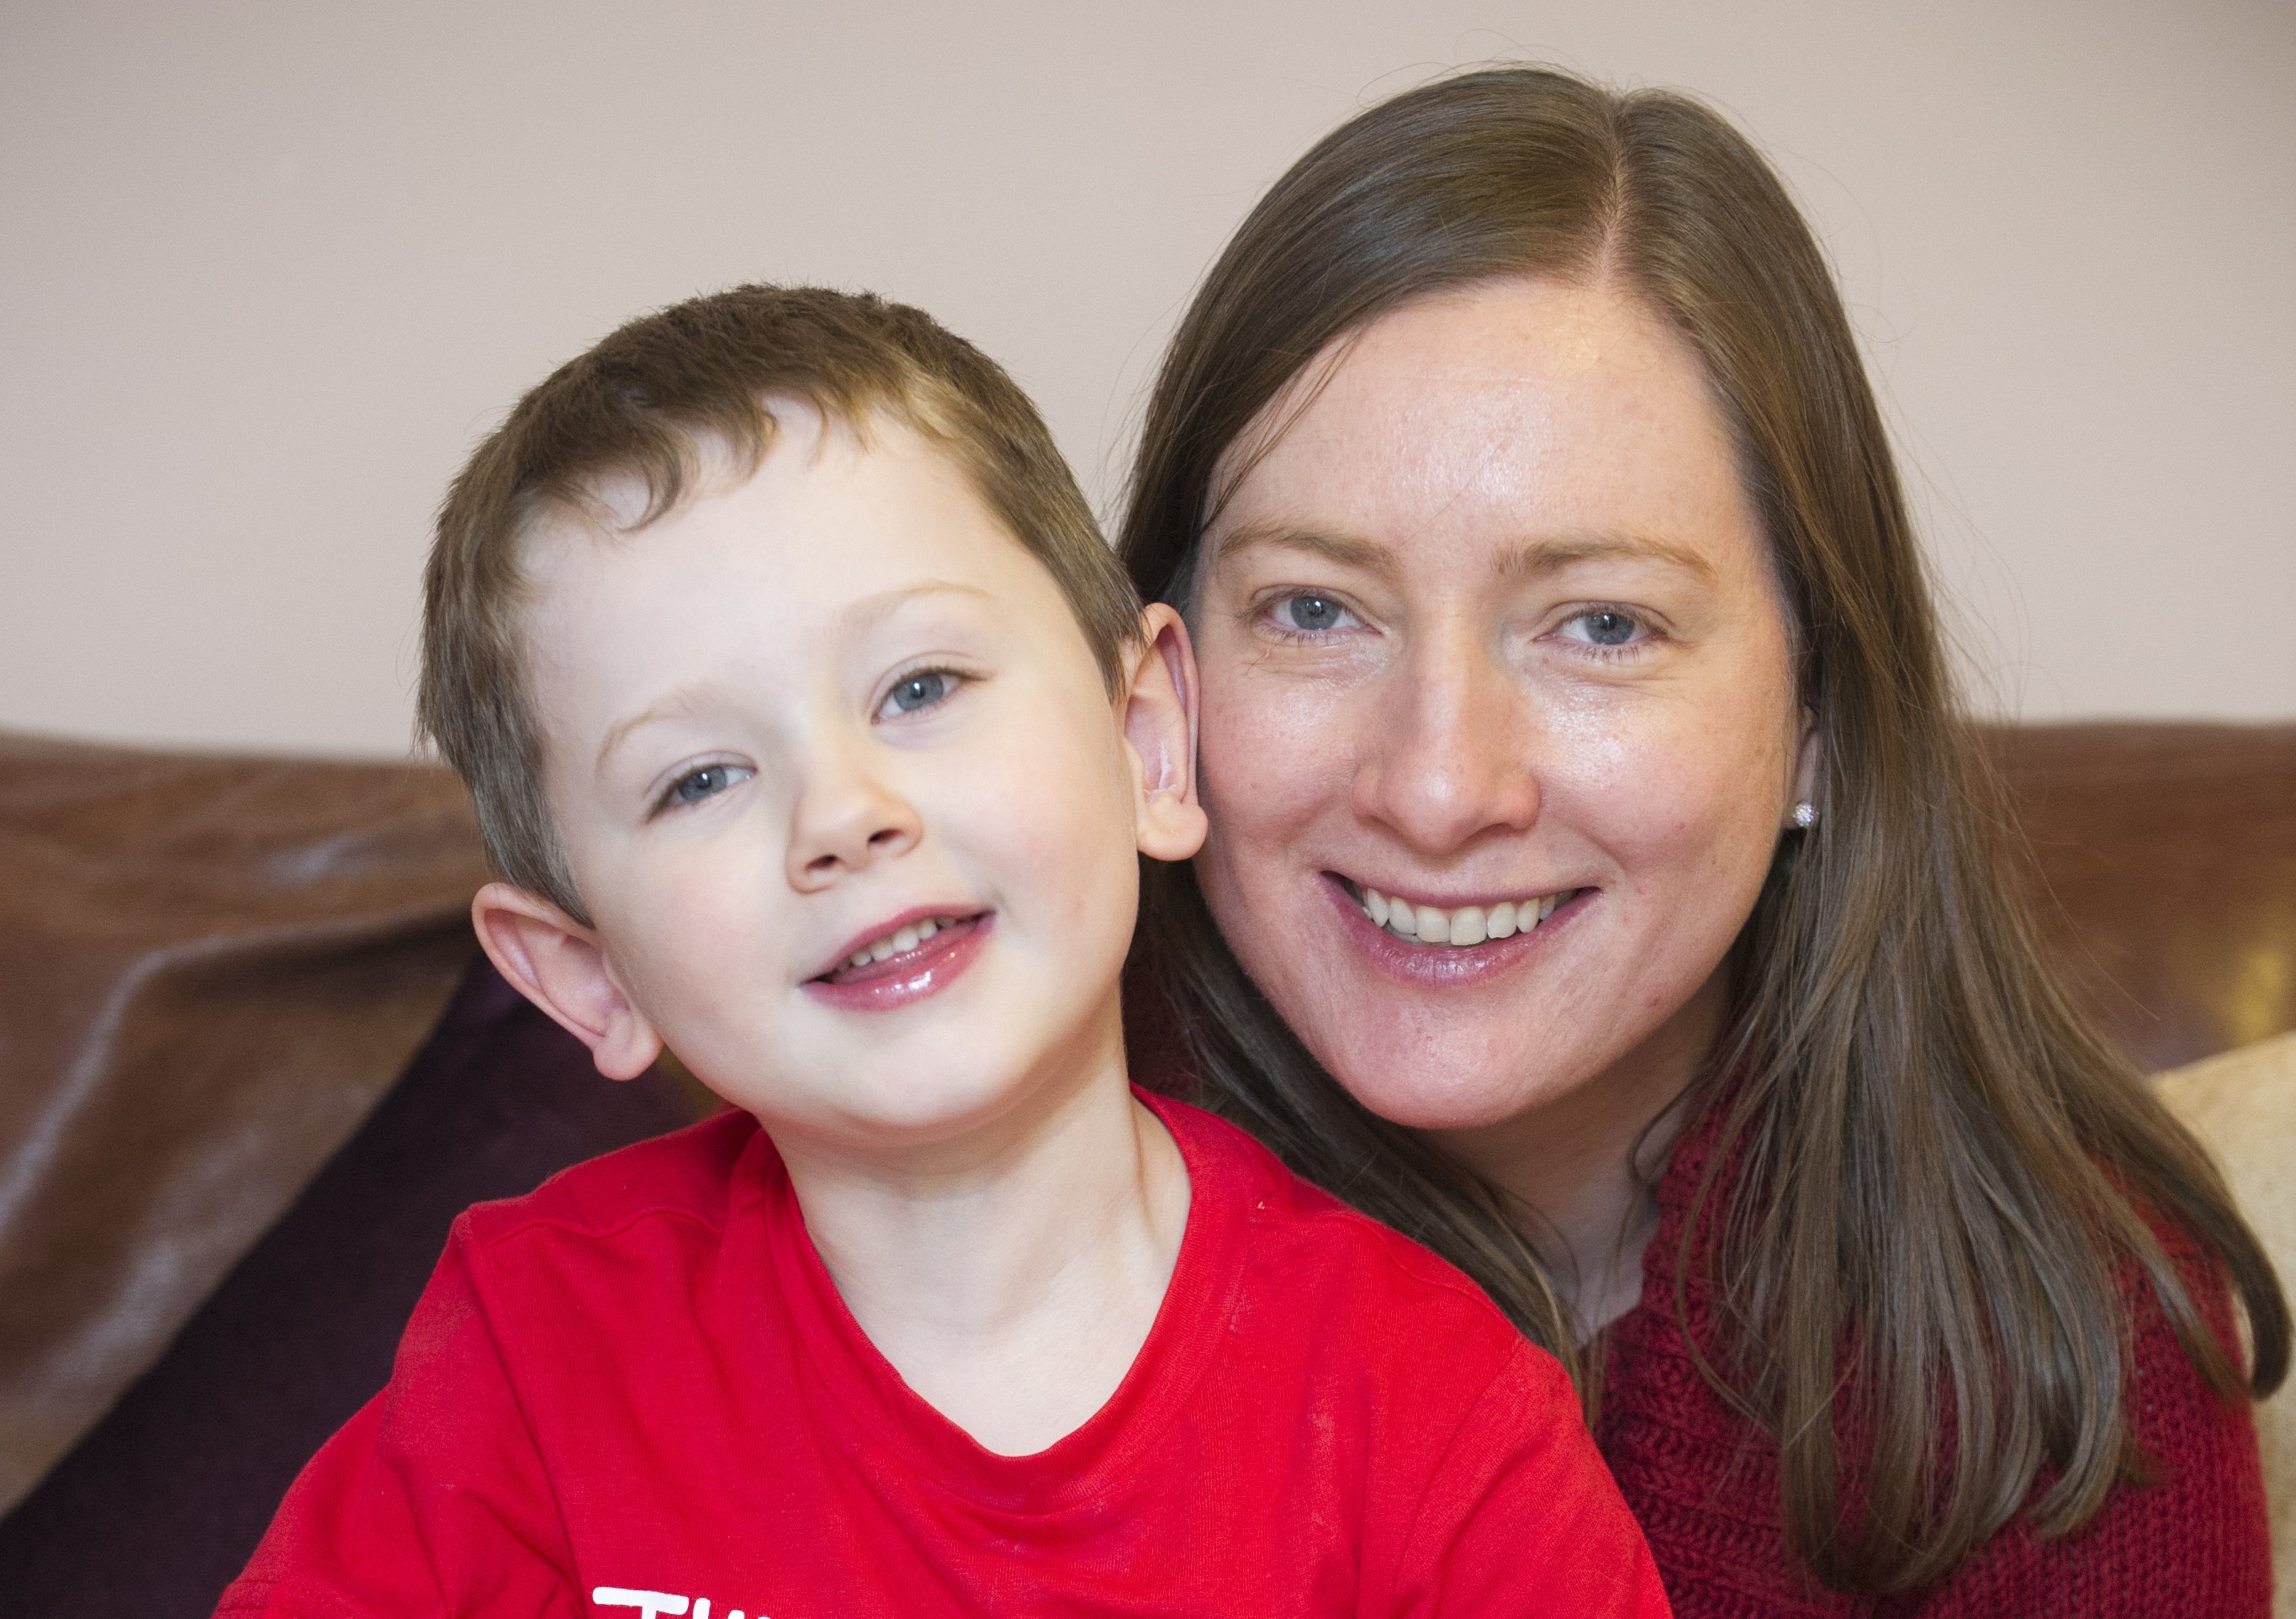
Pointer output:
x,y
637,1392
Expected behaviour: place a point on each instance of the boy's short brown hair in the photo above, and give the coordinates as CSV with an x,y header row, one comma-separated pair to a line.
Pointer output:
x,y
639,406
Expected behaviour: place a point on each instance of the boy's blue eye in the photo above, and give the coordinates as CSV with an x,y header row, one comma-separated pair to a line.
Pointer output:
x,y
695,785
919,691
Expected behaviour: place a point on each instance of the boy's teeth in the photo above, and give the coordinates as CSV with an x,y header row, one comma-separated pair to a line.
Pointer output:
x,y
901,939
1470,924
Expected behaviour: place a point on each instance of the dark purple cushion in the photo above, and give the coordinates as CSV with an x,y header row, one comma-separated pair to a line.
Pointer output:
x,y
162,1503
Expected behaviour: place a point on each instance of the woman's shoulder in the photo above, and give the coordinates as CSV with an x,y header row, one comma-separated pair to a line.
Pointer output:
x,y
2186,1533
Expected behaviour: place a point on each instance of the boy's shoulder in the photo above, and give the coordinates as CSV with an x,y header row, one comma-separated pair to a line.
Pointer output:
x,y
1300,1254
687,1175
1317,1243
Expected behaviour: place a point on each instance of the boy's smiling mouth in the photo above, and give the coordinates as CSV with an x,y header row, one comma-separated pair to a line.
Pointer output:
x,y
902,960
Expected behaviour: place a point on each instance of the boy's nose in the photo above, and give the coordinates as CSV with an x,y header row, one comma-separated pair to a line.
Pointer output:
x,y
846,820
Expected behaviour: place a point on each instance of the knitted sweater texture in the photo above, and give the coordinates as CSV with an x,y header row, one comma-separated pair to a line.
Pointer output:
x,y
2192,1541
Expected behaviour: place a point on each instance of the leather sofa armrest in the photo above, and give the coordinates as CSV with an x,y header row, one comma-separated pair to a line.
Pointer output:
x,y
213,968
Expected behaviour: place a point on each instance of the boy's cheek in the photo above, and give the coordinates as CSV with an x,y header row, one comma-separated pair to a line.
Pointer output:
x,y
684,923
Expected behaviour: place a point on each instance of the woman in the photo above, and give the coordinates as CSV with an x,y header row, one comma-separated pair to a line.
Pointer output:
x,y
1599,888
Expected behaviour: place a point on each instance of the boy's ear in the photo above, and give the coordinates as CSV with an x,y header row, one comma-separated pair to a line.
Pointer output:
x,y
561,967
1160,723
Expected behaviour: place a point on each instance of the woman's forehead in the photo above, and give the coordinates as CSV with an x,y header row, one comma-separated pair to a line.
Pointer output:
x,y
1511,414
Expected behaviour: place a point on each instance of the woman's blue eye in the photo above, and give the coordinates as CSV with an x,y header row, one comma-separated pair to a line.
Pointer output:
x,y
1609,628
919,691
1312,612
695,785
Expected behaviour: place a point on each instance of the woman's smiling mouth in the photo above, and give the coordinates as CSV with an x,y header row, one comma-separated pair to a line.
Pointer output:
x,y
1437,946
1460,926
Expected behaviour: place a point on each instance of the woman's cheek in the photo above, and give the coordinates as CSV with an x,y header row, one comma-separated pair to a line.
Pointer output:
x,y
1270,770
1692,829
1271,760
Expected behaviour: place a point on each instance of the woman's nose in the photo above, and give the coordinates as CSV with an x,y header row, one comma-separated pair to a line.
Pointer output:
x,y
1446,760
847,818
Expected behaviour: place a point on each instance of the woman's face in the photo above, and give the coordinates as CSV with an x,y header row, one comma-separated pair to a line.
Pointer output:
x,y
1491,625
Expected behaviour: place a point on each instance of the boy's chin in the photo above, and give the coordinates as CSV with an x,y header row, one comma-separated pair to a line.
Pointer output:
x,y
901,1118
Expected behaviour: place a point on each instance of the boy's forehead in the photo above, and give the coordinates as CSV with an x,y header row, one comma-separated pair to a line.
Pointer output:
x,y
813,469
816,484
620,504
830,521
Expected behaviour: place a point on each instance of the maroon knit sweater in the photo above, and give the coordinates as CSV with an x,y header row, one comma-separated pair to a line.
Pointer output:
x,y
1705,1487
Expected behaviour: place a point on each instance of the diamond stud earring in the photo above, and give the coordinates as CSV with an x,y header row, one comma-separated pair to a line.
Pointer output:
x,y
1805,815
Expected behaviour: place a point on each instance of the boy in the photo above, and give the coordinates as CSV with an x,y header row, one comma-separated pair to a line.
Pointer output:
x,y
815,732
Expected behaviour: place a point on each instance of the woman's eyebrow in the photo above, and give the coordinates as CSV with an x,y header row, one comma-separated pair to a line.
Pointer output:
x,y
1347,550
1524,559
1532,558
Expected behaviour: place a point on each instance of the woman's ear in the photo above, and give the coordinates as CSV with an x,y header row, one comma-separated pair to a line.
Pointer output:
x,y
1160,723
561,967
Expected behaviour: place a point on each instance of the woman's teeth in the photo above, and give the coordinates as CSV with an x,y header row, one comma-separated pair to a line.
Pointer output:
x,y
896,943
1469,925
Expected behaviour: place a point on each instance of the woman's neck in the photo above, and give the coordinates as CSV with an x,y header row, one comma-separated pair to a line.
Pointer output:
x,y
1011,1276
1582,1165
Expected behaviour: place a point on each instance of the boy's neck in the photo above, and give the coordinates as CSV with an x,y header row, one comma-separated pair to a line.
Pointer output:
x,y
1010,1275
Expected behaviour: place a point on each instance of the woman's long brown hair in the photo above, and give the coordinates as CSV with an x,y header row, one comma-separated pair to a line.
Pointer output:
x,y
1939,1165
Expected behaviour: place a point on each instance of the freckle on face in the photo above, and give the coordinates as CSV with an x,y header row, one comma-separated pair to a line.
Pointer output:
x,y
1475,471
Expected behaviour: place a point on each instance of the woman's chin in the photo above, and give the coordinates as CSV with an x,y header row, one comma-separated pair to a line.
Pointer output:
x,y
1398,1063
1430,1095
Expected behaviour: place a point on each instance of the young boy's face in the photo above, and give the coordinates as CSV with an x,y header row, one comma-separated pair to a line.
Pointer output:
x,y
840,781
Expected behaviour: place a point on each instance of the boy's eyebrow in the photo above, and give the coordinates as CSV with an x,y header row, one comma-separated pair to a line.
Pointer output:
x,y
872,611
863,615
685,696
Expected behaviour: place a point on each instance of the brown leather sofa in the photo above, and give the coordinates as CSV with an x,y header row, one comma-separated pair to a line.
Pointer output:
x,y
251,1065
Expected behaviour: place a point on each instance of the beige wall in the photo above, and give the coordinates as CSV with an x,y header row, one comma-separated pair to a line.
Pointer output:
x,y
269,268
